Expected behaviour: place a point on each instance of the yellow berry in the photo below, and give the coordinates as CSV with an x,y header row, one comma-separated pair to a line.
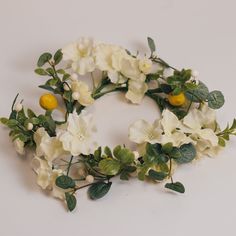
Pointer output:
x,y
177,100
48,101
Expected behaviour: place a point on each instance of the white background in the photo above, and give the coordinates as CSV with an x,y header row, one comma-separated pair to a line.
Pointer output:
x,y
196,34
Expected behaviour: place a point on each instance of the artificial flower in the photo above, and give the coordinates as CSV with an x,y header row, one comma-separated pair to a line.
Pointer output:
x,y
145,65
80,56
46,176
82,90
108,58
136,91
48,147
142,132
19,146
200,124
172,130
76,134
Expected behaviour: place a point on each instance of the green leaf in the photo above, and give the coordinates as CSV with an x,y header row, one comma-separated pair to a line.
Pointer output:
x,y
99,190
167,148
221,142
107,151
155,175
177,91
65,77
13,115
116,150
125,174
125,156
47,87
98,154
30,113
177,186
151,45
70,201
12,123
65,182
4,120
57,56
188,153
40,71
166,88
142,173
198,94
215,99
45,57
175,153
61,71
109,166
50,71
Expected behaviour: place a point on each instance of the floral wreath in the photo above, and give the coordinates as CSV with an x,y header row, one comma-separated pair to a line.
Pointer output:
x,y
66,158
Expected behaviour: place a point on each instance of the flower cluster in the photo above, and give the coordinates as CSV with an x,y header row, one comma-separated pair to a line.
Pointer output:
x,y
66,158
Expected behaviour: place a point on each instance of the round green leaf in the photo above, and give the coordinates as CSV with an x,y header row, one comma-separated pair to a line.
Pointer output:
x,y
155,175
45,57
109,166
177,187
65,182
215,99
198,94
70,201
99,190
188,153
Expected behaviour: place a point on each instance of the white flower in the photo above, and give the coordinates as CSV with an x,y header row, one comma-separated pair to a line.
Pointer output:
x,y
49,147
19,146
108,58
141,132
80,56
172,130
136,91
46,176
200,124
129,67
145,65
81,93
76,134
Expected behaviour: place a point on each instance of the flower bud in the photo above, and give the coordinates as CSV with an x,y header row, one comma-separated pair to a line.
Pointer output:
x,y
89,179
30,126
18,107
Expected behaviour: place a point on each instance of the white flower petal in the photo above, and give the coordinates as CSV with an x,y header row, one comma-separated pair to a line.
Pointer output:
x,y
169,121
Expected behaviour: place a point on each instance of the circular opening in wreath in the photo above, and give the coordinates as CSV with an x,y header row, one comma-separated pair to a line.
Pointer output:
x,y
113,115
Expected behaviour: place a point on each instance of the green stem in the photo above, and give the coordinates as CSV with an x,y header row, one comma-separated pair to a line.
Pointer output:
x,y
69,165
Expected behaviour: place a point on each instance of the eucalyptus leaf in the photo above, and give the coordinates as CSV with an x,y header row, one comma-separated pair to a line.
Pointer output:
x,y
188,153
215,99
199,94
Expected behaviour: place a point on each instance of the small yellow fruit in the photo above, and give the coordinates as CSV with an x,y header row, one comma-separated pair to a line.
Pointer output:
x,y
48,101
177,100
